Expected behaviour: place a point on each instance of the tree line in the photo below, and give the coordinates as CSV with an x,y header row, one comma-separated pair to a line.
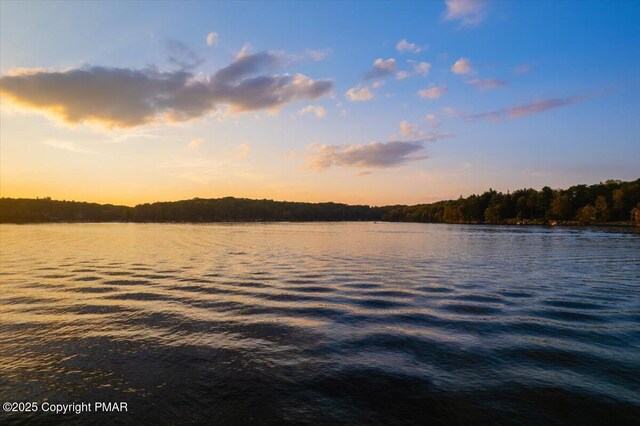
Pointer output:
x,y
228,209
608,202
611,201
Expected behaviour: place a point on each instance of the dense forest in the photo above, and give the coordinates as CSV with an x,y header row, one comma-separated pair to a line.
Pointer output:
x,y
228,209
611,201
603,203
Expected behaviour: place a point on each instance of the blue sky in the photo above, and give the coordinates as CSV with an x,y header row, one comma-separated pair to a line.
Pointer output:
x,y
513,94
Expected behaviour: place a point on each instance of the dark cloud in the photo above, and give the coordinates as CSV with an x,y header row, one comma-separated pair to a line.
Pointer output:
x,y
112,96
247,65
268,92
374,154
525,109
122,97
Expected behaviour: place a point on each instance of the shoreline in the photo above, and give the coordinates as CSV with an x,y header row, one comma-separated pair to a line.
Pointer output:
x,y
568,224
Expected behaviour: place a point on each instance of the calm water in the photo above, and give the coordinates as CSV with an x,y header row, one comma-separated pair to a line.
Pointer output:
x,y
347,323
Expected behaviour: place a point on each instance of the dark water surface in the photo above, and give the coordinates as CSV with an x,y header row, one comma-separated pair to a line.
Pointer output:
x,y
323,323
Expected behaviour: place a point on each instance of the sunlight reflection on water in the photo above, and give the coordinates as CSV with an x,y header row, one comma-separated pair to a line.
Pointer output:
x,y
354,323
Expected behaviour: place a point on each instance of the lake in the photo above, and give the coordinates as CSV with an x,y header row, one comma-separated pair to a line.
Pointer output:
x,y
321,323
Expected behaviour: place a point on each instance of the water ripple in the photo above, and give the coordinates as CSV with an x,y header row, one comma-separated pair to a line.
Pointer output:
x,y
348,323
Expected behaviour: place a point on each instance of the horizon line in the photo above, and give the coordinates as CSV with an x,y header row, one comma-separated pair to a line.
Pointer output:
x,y
315,202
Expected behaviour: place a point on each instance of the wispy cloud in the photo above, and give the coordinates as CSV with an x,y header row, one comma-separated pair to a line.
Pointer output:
x,y
212,39
432,92
489,83
524,110
123,97
206,169
404,46
468,13
401,75
356,94
381,68
187,163
243,151
422,68
407,129
462,66
413,132
319,111
371,155
181,55
196,143
318,54
244,50
66,146
450,111
522,69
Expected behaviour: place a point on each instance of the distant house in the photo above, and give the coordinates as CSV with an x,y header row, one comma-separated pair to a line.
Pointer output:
x,y
635,215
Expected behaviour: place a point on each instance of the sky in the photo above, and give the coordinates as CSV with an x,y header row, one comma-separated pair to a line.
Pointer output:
x,y
363,103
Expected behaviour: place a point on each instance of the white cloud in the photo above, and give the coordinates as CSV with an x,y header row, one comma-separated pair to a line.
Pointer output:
x,y
401,75
244,51
359,94
404,46
386,64
381,68
319,111
433,92
422,68
462,66
467,12
196,143
212,39
431,117
377,84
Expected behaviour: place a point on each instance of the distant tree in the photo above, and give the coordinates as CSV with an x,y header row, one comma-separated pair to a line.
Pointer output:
x,y
543,202
560,206
493,213
618,199
602,209
587,215
521,206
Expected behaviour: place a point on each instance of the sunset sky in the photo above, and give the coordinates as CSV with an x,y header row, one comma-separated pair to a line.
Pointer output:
x,y
374,103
